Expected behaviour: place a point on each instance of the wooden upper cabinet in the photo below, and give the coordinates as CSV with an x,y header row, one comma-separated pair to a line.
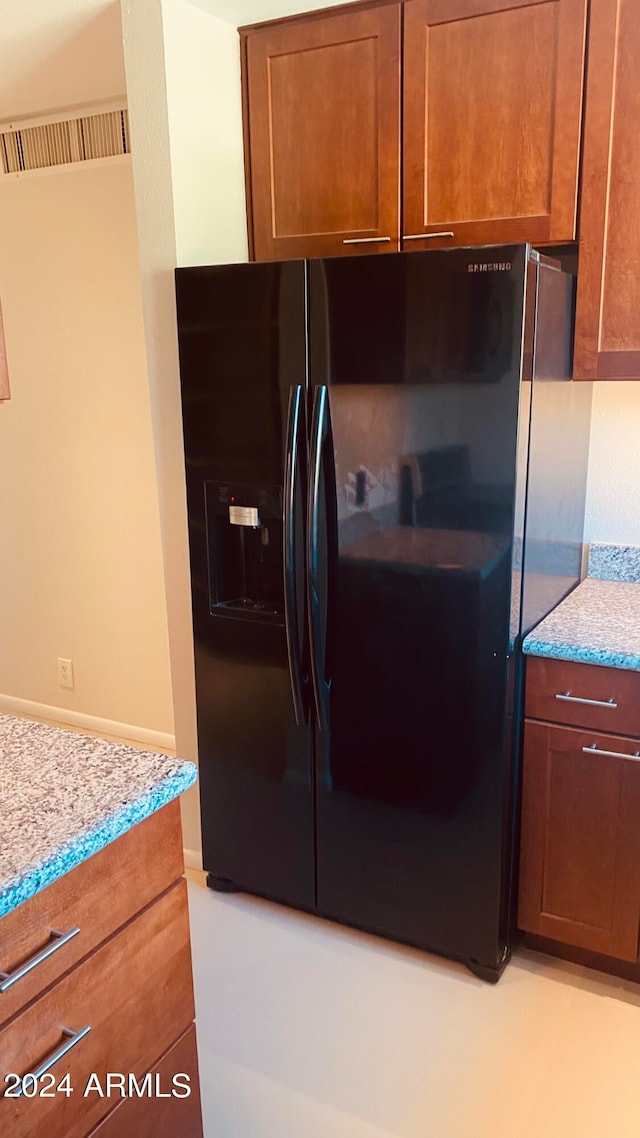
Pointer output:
x,y
608,305
322,109
492,118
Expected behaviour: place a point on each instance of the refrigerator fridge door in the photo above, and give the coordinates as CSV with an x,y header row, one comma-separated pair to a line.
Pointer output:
x,y
243,374
415,363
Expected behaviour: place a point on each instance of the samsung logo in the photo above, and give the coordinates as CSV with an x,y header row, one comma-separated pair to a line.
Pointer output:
x,y
490,267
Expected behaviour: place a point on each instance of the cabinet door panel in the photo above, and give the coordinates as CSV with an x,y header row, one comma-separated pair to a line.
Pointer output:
x,y
580,844
324,134
492,96
161,1117
608,304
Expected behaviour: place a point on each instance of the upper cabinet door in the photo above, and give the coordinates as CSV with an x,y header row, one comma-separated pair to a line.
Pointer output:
x,y
607,342
323,115
492,113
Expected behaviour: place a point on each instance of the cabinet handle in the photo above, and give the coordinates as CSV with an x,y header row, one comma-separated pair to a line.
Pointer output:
x,y
591,702
364,240
11,978
426,236
594,750
73,1037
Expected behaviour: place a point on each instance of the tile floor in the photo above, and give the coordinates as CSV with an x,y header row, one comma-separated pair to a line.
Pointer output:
x,y
309,1030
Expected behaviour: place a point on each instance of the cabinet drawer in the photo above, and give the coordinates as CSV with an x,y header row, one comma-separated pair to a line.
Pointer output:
x,y
161,1117
135,994
583,695
580,841
97,897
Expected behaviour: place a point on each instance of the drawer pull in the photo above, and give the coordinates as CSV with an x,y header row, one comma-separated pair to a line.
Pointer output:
x,y
594,750
364,240
59,939
73,1037
426,236
591,702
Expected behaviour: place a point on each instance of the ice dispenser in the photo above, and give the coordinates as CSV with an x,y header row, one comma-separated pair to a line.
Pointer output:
x,y
244,538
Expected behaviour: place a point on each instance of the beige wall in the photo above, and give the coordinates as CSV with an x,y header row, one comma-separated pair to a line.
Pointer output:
x,y
58,53
81,567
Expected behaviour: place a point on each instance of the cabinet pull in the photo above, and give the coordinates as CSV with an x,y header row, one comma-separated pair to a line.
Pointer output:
x,y
594,750
73,1037
426,236
364,240
11,978
569,698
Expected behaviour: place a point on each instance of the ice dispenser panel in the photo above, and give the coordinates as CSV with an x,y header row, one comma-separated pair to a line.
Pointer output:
x,y
244,539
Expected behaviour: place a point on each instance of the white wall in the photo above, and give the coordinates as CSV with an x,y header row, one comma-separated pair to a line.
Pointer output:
x,y
202,69
81,571
183,86
238,12
613,491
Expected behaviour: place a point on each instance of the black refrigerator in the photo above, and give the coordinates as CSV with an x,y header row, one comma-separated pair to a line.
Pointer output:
x,y
385,469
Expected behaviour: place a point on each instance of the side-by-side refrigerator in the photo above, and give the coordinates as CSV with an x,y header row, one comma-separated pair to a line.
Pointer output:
x,y
386,469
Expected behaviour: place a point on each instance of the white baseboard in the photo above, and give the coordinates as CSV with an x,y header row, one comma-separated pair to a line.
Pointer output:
x,y
193,859
63,716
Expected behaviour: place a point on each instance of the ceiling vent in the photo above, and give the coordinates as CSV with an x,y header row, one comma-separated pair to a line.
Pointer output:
x,y
60,141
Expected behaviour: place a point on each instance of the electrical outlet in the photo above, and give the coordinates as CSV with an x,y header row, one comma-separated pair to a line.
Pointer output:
x,y
65,673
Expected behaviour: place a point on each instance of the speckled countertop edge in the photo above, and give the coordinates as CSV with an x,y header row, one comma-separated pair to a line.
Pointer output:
x,y
598,623
39,872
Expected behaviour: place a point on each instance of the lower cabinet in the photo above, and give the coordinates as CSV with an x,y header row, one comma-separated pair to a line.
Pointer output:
x,y
93,1026
580,851
579,893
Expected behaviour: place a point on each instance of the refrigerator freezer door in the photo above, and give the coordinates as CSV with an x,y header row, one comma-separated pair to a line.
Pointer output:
x,y
421,354
242,353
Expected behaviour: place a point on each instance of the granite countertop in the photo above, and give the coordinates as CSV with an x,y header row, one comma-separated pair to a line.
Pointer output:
x,y
599,622
66,795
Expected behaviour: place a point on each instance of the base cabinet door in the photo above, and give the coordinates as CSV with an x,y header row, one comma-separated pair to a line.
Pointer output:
x,y
607,344
322,121
580,844
492,117
163,1111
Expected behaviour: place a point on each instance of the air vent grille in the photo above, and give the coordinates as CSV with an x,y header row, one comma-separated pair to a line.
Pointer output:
x,y
102,135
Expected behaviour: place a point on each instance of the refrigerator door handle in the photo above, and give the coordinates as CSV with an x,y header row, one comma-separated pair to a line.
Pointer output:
x,y
293,502
319,434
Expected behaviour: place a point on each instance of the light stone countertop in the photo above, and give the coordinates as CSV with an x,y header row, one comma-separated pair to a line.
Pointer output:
x,y
64,796
598,623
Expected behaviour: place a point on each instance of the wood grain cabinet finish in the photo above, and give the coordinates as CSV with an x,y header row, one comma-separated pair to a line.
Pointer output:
x,y
583,695
97,898
125,974
161,1117
492,119
322,111
580,845
607,342
136,995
